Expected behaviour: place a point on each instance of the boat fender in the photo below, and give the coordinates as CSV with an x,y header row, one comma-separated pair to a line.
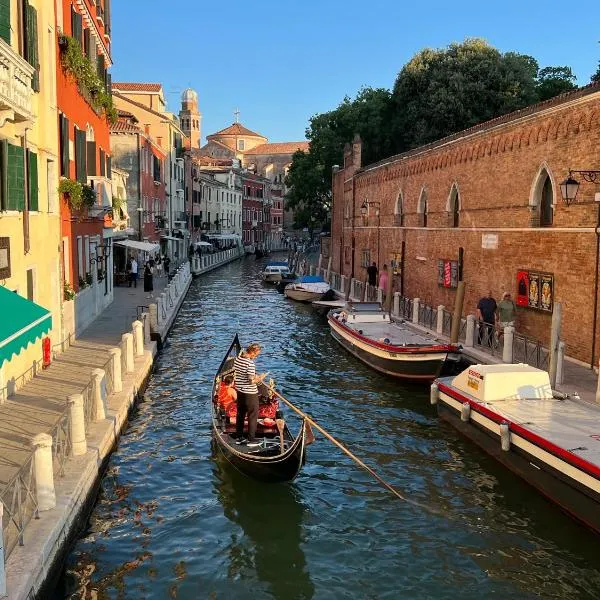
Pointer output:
x,y
386,340
465,412
505,436
360,331
434,393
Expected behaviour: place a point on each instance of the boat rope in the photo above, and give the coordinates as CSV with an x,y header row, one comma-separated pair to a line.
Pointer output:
x,y
355,458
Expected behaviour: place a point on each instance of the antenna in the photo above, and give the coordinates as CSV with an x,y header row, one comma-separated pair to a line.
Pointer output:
x,y
236,114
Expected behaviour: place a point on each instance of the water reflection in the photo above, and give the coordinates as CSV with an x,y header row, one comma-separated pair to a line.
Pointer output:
x,y
271,518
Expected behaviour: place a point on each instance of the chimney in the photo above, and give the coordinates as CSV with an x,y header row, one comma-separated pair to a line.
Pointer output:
x,y
357,151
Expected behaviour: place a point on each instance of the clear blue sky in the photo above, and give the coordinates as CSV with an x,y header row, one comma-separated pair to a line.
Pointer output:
x,y
282,61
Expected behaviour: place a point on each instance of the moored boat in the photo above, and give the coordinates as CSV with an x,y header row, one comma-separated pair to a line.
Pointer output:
x,y
275,271
396,349
307,288
549,439
280,455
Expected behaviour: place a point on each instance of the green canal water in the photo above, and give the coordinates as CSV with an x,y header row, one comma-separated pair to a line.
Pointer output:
x,y
172,522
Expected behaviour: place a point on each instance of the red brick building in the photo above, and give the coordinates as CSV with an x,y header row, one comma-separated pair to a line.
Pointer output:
x,y
489,195
256,210
84,145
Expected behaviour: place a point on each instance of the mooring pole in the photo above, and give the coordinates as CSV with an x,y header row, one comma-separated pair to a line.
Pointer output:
x,y
458,306
554,341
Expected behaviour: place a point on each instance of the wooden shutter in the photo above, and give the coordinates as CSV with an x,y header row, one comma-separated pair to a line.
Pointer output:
x,y
86,43
16,178
91,158
30,46
80,157
108,83
33,186
102,163
3,174
76,25
5,20
107,16
63,124
108,167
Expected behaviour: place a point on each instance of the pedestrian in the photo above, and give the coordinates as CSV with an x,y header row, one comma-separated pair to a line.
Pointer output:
x,y
247,394
487,315
133,274
372,274
383,280
148,283
128,270
159,265
166,263
507,311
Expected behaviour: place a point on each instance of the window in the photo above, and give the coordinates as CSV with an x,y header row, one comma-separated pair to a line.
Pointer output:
x,y
30,42
399,211
12,177
91,157
32,183
102,163
51,185
80,156
422,209
546,204
453,207
240,144
80,271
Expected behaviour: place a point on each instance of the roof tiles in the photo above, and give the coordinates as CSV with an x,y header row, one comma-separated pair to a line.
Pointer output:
x,y
127,86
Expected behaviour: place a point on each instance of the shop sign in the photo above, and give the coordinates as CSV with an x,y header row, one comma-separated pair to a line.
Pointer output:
x,y
447,273
535,290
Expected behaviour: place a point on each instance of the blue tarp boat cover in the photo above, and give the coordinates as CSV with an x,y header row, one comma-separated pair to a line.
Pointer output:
x,y
310,279
277,263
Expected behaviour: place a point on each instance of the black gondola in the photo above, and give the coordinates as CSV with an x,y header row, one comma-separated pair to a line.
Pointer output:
x,y
278,458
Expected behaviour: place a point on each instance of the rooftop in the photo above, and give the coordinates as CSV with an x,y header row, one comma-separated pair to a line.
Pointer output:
x,y
279,148
128,86
237,129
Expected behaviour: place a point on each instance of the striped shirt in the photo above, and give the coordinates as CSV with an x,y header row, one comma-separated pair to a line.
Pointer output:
x,y
245,370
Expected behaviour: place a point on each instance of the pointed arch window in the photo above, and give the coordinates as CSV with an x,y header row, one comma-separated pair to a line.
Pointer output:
x,y
547,204
422,209
454,207
399,211
541,201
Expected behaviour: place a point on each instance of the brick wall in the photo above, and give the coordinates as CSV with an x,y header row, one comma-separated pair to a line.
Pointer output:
x,y
497,171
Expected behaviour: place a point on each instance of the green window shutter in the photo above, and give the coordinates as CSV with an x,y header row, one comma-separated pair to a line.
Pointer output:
x,y
16,178
86,43
3,174
76,25
5,20
91,158
31,43
32,171
100,67
80,157
108,167
102,163
63,124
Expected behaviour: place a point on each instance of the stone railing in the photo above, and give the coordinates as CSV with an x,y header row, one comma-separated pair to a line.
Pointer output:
x,y
15,86
207,262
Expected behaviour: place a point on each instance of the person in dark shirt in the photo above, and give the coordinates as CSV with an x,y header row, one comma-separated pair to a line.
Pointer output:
x,y
487,312
372,274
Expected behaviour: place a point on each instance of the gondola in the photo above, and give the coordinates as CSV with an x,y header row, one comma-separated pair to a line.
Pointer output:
x,y
279,457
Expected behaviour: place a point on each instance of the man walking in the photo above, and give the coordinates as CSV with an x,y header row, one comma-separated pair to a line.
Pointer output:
x,y
487,316
507,311
133,277
247,394
372,274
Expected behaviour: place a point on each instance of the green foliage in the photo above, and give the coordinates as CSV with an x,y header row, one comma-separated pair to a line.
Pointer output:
x,y
117,204
596,76
440,92
552,81
68,292
77,194
88,279
77,64
82,283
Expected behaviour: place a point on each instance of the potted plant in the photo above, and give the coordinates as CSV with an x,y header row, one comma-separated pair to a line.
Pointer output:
x,y
68,292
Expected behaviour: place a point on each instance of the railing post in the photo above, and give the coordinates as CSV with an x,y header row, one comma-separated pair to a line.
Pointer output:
x,y
115,355
43,471
138,337
99,391
77,424
415,312
343,285
560,363
598,388
439,328
311,270
127,350
507,350
146,326
396,310
162,306
470,333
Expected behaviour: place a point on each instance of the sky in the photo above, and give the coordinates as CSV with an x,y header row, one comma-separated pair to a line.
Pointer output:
x,y
280,62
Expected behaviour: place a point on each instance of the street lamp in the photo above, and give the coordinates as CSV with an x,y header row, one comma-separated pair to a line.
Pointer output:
x,y
568,189
364,211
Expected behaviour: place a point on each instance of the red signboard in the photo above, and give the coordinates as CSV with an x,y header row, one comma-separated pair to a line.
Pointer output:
x,y
523,288
447,274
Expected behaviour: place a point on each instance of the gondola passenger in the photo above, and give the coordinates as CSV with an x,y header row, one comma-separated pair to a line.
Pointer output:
x,y
246,381
228,396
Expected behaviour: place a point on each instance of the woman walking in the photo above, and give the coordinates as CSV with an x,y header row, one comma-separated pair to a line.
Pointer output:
x,y
148,282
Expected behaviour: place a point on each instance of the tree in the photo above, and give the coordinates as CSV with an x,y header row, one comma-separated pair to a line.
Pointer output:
x,y
596,76
552,81
440,92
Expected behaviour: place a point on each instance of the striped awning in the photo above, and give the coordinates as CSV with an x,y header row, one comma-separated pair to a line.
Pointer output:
x,y
23,323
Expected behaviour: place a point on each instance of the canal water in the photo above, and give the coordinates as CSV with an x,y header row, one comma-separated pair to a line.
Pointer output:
x,y
172,522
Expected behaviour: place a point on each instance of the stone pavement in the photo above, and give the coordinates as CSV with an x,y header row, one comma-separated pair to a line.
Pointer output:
x,y
40,403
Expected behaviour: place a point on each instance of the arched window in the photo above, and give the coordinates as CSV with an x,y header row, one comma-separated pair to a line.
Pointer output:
x,y
240,144
347,210
453,207
399,210
546,204
541,200
422,209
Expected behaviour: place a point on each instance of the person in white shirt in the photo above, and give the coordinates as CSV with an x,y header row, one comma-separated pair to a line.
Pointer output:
x,y
133,277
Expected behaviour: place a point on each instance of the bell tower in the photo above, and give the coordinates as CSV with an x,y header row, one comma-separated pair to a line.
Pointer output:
x,y
190,117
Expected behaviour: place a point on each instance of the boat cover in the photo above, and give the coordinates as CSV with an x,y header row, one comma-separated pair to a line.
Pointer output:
x,y
309,279
277,263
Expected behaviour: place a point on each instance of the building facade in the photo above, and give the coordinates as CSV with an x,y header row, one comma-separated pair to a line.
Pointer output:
x,y
485,204
256,211
85,161
29,202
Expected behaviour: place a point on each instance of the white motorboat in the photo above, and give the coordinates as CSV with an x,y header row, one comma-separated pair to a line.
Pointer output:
x,y
307,288
275,271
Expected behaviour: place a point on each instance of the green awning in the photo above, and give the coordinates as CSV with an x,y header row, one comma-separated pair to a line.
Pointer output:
x,y
22,322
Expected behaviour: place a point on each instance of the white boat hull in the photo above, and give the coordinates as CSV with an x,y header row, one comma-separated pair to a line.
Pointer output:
x,y
302,295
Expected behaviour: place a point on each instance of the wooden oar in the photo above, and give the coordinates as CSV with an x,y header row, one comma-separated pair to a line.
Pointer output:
x,y
353,457
280,428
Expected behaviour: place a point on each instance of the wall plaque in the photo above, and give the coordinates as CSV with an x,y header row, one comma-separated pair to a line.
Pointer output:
x,y
489,241
4,257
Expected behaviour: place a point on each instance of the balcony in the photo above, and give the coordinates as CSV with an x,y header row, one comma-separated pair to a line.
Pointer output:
x,y
103,188
15,86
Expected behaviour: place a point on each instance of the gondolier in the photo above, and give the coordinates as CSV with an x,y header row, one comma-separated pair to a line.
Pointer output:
x,y
247,391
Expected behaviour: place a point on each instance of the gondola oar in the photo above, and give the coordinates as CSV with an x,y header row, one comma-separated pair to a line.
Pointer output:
x,y
353,457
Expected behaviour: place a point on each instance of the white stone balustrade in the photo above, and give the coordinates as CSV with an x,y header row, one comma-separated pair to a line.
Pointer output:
x,y
439,326
138,338
16,94
146,326
77,424
415,310
470,332
507,349
127,350
396,309
99,394
115,354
